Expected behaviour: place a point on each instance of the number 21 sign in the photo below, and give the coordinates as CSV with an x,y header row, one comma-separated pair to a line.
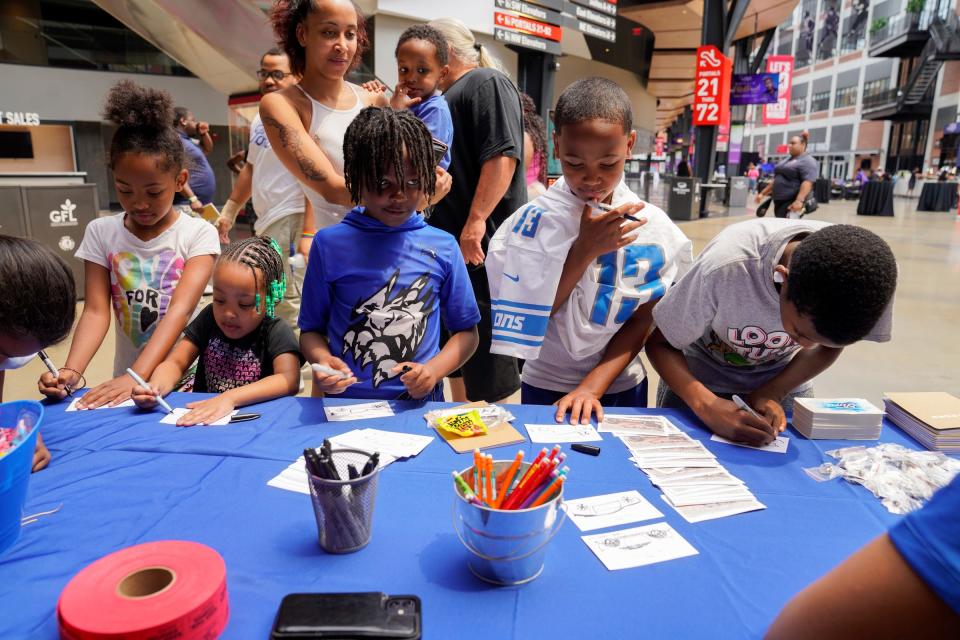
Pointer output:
x,y
711,104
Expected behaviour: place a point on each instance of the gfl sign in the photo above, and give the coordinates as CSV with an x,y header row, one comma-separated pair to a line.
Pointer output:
x,y
63,217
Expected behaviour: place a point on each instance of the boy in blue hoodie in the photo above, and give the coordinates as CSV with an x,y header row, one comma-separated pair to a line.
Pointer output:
x,y
379,283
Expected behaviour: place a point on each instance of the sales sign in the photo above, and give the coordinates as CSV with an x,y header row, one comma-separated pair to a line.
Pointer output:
x,y
779,112
710,99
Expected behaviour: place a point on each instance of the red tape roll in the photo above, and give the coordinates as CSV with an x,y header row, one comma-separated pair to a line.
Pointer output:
x,y
157,590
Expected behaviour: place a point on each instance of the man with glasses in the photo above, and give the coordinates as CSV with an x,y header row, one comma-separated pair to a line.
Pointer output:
x,y
277,197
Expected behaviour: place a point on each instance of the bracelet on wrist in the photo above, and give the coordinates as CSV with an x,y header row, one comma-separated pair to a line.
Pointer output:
x,y
193,199
83,380
306,235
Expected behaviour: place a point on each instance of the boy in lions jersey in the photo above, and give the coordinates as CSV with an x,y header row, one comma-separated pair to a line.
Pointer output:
x,y
575,273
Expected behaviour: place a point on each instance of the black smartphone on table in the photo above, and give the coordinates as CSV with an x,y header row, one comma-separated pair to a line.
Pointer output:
x,y
347,616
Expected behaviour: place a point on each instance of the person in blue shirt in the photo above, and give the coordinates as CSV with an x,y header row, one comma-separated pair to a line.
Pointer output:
x,y
422,63
904,584
201,185
379,283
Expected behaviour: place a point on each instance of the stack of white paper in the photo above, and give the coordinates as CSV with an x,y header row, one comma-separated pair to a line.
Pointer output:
x,y
692,480
390,445
837,418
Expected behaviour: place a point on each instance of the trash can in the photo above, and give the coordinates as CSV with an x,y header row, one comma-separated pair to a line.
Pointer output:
x,y
13,222
738,190
683,198
58,216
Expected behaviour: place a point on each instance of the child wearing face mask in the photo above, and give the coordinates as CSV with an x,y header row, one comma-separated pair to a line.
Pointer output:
x,y
38,307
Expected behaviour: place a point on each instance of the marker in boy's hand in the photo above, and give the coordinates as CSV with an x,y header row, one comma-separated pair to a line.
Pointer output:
x,y
419,379
56,387
726,419
332,376
145,397
608,231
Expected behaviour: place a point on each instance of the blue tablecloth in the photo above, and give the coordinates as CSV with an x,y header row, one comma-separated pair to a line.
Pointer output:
x,y
124,479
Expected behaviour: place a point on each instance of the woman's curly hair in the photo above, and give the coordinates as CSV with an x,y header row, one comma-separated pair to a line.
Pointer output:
x,y
287,15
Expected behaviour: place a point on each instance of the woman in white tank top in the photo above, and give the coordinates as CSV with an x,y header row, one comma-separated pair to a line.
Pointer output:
x,y
306,123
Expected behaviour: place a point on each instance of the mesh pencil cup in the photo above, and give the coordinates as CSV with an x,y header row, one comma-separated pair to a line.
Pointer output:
x,y
507,547
344,508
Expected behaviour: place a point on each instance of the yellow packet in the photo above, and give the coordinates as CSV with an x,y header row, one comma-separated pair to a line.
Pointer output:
x,y
463,424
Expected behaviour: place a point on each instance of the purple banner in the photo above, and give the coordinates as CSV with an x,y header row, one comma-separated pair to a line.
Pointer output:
x,y
757,88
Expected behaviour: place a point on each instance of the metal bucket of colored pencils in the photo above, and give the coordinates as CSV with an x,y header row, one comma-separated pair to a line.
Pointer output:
x,y
507,547
344,508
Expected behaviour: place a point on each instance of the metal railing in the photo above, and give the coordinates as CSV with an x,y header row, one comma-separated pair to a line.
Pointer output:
x,y
880,99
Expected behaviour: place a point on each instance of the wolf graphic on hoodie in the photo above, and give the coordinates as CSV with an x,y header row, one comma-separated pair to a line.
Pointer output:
x,y
379,293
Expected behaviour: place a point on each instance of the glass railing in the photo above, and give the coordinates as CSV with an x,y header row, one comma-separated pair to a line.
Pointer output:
x,y
54,43
901,24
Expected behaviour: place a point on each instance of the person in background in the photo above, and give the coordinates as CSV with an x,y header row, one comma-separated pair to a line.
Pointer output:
x,y
488,186
903,584
305,123
201,185
912,184
534,148
277,196
30,272
422,64
753,174
793,179
683,169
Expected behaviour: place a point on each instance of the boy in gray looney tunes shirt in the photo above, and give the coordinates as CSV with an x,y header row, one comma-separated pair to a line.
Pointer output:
x,y
766,307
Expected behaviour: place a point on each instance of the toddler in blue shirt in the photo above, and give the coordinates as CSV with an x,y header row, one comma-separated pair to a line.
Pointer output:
x,y
422,56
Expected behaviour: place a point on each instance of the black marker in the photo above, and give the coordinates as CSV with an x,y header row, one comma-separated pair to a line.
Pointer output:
x,y
244,417
606,207
588,449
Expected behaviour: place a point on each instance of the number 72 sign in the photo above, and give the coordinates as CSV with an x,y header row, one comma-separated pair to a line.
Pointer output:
x,y
711,98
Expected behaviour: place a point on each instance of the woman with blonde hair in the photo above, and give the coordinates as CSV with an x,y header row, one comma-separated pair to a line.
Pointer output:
x,y
488,186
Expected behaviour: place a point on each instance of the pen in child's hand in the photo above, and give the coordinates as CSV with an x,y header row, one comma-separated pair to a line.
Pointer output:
x,y
143,383
53,369
606,207
321,368
737,400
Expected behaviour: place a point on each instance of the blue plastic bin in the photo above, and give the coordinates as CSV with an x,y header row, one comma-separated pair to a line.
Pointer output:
x,y
15,468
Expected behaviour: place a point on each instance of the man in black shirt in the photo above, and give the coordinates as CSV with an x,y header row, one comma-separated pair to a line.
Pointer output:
x,y
488,186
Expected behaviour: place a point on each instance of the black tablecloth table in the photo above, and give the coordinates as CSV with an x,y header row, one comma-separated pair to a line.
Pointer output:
x,y
821,190
876,199
938,196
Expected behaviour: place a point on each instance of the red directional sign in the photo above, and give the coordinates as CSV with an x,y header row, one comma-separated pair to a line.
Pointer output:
x,y
527,25
711,98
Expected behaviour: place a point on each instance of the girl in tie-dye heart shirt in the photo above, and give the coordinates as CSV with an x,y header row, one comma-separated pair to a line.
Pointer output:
x,y
148,264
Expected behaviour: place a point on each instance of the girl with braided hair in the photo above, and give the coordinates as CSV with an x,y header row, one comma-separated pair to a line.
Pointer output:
x,y
244,352
379,283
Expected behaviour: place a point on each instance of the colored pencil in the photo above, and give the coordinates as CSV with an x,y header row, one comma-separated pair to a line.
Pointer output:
x,y
508,478
492,480
548,493
467,493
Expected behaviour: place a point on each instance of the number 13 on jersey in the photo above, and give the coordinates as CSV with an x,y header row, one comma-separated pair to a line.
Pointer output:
x,y
641,263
